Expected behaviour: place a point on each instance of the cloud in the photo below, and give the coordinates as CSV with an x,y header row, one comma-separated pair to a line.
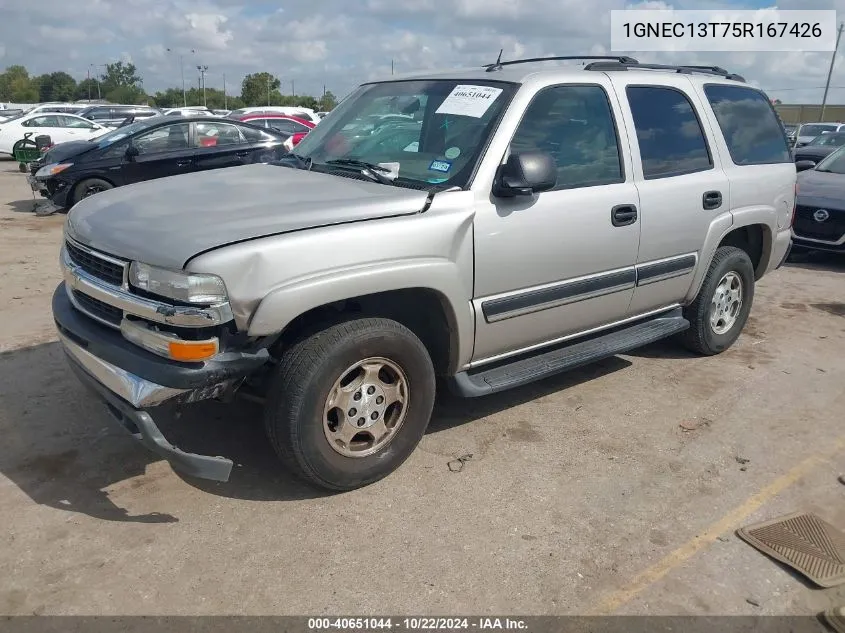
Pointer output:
x,y
338,43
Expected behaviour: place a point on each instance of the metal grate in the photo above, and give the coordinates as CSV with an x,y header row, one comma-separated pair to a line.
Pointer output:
x,y
96,308
96,266
806,225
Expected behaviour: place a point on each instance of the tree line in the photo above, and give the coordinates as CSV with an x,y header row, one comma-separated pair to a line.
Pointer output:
x,y
121,83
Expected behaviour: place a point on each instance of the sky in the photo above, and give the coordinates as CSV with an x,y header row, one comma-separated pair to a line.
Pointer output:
x,y
341,43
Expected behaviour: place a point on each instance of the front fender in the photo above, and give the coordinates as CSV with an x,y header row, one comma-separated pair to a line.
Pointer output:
x,y
279,308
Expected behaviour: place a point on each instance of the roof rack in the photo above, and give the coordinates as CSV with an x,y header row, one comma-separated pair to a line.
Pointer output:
x,y
626,65
619,59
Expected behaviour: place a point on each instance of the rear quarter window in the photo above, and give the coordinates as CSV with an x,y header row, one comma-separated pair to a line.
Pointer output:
x,y
749,124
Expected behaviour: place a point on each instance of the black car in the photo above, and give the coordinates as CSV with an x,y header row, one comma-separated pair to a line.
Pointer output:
x,y
820,147
148,149
114,115
820,208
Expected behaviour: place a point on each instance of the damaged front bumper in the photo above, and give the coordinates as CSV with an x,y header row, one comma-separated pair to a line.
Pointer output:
x,y
131,381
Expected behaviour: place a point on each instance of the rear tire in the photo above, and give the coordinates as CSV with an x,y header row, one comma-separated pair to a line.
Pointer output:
x,y
723,303
334,413
87,188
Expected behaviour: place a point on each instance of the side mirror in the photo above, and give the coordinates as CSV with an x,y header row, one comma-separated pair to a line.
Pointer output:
x,y
804,165
525,174
131,152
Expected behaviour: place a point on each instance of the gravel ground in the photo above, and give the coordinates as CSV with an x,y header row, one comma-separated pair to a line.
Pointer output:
x,y
615,489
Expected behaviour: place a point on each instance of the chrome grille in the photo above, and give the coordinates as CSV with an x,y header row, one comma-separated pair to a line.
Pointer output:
x,y
99,266
830,230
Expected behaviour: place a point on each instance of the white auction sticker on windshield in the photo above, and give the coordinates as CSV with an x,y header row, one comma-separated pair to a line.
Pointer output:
x,y
471,101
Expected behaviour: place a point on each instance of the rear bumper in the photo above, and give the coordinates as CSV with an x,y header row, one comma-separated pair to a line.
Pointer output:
x,y
131,380
780,249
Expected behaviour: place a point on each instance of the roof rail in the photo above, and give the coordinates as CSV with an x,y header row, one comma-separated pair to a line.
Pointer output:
x,y
619,59
705,70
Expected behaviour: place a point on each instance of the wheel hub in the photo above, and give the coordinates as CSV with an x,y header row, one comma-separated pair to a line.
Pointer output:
x,y
365,407
726,303
371,406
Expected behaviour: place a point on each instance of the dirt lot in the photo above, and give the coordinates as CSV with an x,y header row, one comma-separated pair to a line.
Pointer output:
x,y
583,494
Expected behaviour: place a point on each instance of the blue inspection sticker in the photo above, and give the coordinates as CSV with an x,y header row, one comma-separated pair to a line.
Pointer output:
x,y
442,166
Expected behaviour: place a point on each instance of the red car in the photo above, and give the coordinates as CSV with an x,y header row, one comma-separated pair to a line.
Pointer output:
x,y
296,127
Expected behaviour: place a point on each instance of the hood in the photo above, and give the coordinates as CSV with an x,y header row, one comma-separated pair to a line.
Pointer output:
x,y
168,221
814,151
62,151
821,189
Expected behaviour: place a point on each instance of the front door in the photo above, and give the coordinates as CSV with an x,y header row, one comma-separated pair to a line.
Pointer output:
x,y
163,151
559,262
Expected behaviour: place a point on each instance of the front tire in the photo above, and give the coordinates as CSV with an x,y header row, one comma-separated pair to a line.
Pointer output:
x,y
723,303
89,187
349,404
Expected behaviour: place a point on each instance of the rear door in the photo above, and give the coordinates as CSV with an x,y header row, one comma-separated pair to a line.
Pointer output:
x,y
221,145
682,186
79,128
163,151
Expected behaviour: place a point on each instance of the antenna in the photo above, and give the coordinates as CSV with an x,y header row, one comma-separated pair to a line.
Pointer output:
x,y
498,64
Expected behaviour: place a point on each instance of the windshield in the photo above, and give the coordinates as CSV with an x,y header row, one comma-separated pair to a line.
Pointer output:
x,y
815,130
835,163
833,139
120,133
422,133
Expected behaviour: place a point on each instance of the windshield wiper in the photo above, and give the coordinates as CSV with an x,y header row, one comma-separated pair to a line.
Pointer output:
x,y
376,172
301,163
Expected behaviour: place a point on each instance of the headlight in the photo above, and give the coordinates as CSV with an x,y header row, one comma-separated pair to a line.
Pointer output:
x,y
179,285
52,169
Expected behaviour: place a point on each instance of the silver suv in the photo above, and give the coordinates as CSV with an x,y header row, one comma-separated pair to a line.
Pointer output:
x,y
508,223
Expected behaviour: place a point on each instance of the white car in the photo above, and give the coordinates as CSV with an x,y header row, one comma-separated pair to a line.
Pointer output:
x,y
59,127
58,108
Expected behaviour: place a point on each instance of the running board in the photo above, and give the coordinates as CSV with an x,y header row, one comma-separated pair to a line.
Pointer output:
x,y
526,370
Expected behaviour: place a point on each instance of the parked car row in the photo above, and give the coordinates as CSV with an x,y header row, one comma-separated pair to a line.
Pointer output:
x,y
151,148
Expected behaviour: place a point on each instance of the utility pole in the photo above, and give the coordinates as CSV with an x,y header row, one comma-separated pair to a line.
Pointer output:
x,y
203,70
182,72
89,84
97,79
830,70
391,66
268,89
225,98
293,87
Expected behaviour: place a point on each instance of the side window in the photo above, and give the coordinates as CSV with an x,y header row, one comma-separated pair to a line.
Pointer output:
x,y
167,138
50,120
256,136
287,126
575,125
668,132
69,121
217,134
749,125
98,114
